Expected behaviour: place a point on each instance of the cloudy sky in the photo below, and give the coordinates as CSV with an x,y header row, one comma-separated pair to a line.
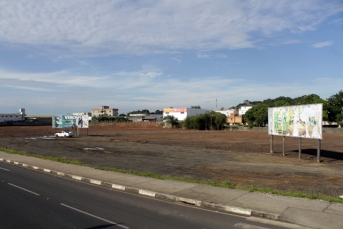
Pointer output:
x,y
68,56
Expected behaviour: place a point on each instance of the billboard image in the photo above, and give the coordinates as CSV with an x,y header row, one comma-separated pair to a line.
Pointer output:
x,y
303,121
70,121
174,110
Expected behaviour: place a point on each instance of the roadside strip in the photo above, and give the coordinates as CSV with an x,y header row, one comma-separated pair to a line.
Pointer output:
x,y
162,196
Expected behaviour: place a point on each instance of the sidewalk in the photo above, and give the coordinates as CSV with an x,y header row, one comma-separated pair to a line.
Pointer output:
x,y
310,213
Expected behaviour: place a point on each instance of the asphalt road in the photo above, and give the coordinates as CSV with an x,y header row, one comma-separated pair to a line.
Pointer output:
x,y
31,199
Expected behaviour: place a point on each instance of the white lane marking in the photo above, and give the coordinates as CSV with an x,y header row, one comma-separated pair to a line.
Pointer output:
x,y
24,189
16,163
1,159
248,226
4,169
47,170
35,167
94,216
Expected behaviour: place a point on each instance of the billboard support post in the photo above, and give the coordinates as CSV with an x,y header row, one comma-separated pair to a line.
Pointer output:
x,y
318,151
271,144
283,146
299,148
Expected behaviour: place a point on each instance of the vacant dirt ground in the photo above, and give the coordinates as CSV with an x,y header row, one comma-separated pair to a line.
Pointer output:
x,y
239,157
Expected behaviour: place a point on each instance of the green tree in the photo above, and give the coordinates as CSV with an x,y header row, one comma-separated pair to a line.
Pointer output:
x,y
171,120
219,120
335,107
196,107
257,115
158,112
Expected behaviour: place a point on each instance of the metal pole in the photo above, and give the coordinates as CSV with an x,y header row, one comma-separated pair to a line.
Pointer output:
x,y
283,146
318,151
299,148
271,144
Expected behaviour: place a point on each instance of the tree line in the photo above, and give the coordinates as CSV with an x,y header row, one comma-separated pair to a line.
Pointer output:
x,y
332,108
207,121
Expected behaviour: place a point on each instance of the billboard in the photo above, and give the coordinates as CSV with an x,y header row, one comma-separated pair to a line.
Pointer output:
x,y
174,110
70,121
303,121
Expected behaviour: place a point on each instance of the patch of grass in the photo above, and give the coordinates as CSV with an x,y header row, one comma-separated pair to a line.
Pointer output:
x,y
225,184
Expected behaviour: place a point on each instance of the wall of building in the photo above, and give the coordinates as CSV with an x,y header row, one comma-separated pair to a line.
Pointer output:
x,y
13,117
184,112
244,109
105,110
233,118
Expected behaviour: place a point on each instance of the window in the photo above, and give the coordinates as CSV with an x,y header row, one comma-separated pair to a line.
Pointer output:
x,y
182,112
167,112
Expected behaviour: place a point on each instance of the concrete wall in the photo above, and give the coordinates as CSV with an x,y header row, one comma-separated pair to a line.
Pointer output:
x,y
332,130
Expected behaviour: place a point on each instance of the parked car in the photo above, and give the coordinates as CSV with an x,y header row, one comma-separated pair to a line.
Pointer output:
x,y
64,133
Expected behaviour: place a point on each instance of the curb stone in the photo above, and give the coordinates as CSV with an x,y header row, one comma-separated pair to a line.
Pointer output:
x,y
162,196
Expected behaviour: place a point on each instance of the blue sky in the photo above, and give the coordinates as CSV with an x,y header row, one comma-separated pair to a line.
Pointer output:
x,y
65,56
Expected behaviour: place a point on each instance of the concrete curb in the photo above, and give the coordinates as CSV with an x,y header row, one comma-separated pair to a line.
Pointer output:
x,y
162,196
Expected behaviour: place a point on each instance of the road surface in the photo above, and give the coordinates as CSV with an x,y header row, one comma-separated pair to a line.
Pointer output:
x,y
31,199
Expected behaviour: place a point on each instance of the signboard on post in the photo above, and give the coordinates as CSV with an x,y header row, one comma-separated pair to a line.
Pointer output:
x,y
70,121
302,121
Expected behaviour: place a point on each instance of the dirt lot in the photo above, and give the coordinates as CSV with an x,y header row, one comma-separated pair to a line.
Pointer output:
x,y
239,157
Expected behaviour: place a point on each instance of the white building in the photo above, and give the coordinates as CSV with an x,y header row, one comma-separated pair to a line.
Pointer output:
x,y
228,113
182,113
244,109
13,117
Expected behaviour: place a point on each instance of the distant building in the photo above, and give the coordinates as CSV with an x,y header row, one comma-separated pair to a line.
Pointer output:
x,y
182,113
234,118
105,110
228,112
12,117
145,118
244,108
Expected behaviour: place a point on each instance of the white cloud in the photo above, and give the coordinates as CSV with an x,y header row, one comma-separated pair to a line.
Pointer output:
x,y
146,89
111,27
322,44
176,59
337,21
206,56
